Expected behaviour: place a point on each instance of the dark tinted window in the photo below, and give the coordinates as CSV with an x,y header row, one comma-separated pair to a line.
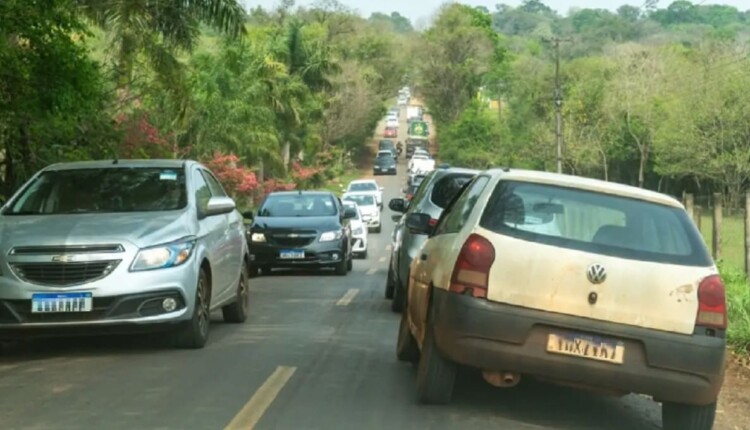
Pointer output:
x,y
202,191
121,189
298,205
447,187
461,209
594,222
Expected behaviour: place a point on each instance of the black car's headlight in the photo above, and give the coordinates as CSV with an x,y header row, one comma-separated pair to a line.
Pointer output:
x,y
257,237
331,236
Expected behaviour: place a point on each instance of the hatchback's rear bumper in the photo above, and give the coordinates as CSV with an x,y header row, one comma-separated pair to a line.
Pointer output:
x,y
493,336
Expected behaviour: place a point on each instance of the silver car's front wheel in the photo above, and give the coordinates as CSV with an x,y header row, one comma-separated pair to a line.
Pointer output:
x,y
194,333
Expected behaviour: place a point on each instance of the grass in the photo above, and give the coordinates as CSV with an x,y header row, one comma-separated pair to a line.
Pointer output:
x,y
732,240
738,309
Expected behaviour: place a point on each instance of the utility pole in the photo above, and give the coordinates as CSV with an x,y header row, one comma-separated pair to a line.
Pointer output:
x,y
558,100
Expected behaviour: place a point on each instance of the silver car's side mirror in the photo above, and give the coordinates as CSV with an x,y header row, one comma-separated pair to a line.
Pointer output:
x,y
219,205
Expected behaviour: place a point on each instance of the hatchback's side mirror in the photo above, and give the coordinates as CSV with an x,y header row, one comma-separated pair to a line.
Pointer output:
x,y
397,205
419,223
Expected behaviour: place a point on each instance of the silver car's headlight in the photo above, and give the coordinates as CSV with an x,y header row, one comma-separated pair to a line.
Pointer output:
x,y
258,237
163,256
330,236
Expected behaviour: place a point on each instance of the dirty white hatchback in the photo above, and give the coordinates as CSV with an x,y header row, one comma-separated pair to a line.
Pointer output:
x,y
570,280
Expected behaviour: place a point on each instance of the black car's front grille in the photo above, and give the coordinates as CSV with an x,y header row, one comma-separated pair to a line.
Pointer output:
x,y
293,239
64,274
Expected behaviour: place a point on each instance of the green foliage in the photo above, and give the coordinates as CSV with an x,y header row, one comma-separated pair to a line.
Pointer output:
x,y
473,140
738,309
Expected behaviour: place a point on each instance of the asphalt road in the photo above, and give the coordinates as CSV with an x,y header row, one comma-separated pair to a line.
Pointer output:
x,y
318,352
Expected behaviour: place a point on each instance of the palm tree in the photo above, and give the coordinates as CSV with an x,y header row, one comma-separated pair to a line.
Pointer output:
x,y
158,29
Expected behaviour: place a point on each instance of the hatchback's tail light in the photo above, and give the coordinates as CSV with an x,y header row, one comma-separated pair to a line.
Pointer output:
x,y
433,222
712,303
472,270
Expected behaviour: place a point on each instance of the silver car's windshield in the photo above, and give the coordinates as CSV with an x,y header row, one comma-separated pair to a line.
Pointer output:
x,y
120,189
363,186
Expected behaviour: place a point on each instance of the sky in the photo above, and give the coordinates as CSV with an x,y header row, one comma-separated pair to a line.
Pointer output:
x,y
421,9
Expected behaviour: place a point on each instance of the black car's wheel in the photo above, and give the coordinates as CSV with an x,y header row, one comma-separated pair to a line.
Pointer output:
x,y
676,416
399,297
378,229
340,268
236,312
252,271
389,284
406,346
194,333
350,263
436,376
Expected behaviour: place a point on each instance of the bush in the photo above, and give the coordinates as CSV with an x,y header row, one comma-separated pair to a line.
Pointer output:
x,y
738,309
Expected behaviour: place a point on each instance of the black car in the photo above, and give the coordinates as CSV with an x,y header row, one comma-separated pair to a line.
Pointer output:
x,y
384,164
388,145
301,229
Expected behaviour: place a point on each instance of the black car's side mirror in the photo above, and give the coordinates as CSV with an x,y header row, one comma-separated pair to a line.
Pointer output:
x,y
350,213
397,205
419,223
248,215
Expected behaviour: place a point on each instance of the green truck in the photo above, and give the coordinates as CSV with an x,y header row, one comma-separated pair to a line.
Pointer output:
x,y
418,130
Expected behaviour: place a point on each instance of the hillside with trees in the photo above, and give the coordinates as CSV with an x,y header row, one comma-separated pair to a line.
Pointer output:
x,y
650,97
270,99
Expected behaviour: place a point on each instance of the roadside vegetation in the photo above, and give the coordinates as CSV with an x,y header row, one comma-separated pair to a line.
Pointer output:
x,y
269,99
651,97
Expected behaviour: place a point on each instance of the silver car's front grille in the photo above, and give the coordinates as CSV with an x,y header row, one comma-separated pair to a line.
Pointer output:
x,y
61,274
67,249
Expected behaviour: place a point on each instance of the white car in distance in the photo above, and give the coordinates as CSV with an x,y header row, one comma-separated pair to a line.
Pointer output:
x,y
368,207
366,186
359,230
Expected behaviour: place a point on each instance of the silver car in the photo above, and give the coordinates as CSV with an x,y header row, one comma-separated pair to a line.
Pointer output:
x,y
121,246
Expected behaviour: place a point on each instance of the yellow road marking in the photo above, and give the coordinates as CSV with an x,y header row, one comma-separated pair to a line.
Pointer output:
x,y
253,411
348,297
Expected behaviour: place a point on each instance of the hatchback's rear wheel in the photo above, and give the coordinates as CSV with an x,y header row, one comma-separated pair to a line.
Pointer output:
x,y
436,376
194,333
236,312
389,284
399,297
406,346
677,416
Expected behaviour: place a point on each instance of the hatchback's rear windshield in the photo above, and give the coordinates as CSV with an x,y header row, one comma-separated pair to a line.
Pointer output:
x,y
363,186
447,187
594,222
112,189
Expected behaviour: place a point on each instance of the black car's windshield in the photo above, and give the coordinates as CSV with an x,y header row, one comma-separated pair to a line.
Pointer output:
x,y
298,205
119,189
361,199
363,186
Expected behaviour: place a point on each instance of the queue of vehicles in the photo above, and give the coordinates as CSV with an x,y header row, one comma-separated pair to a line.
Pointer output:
x,y
516,273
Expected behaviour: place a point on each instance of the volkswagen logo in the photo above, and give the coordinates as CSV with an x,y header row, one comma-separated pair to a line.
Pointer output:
x,y
596,274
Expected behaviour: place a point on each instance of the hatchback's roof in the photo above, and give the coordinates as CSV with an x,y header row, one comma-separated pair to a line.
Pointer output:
x,y
589,184
103,164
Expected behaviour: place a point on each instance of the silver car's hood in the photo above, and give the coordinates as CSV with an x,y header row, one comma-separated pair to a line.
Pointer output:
x,y
141,229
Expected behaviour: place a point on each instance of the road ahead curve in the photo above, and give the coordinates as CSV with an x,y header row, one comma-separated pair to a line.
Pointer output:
x,y
318,352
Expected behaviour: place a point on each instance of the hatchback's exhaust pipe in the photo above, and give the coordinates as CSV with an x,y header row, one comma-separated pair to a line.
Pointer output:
x,y
501,379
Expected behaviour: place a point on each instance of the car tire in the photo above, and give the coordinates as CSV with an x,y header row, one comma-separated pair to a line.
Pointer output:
x,y
340,268
399,297
389,284
350,263
363,255
436,376
677,416
236,312
406,346
378,229
193,334
252,271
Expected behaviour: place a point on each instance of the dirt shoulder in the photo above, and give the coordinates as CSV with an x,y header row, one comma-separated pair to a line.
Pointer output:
x,y
733,412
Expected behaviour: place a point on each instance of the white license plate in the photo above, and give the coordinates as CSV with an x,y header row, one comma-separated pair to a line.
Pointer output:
x,y
591,347
61,302
292,254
